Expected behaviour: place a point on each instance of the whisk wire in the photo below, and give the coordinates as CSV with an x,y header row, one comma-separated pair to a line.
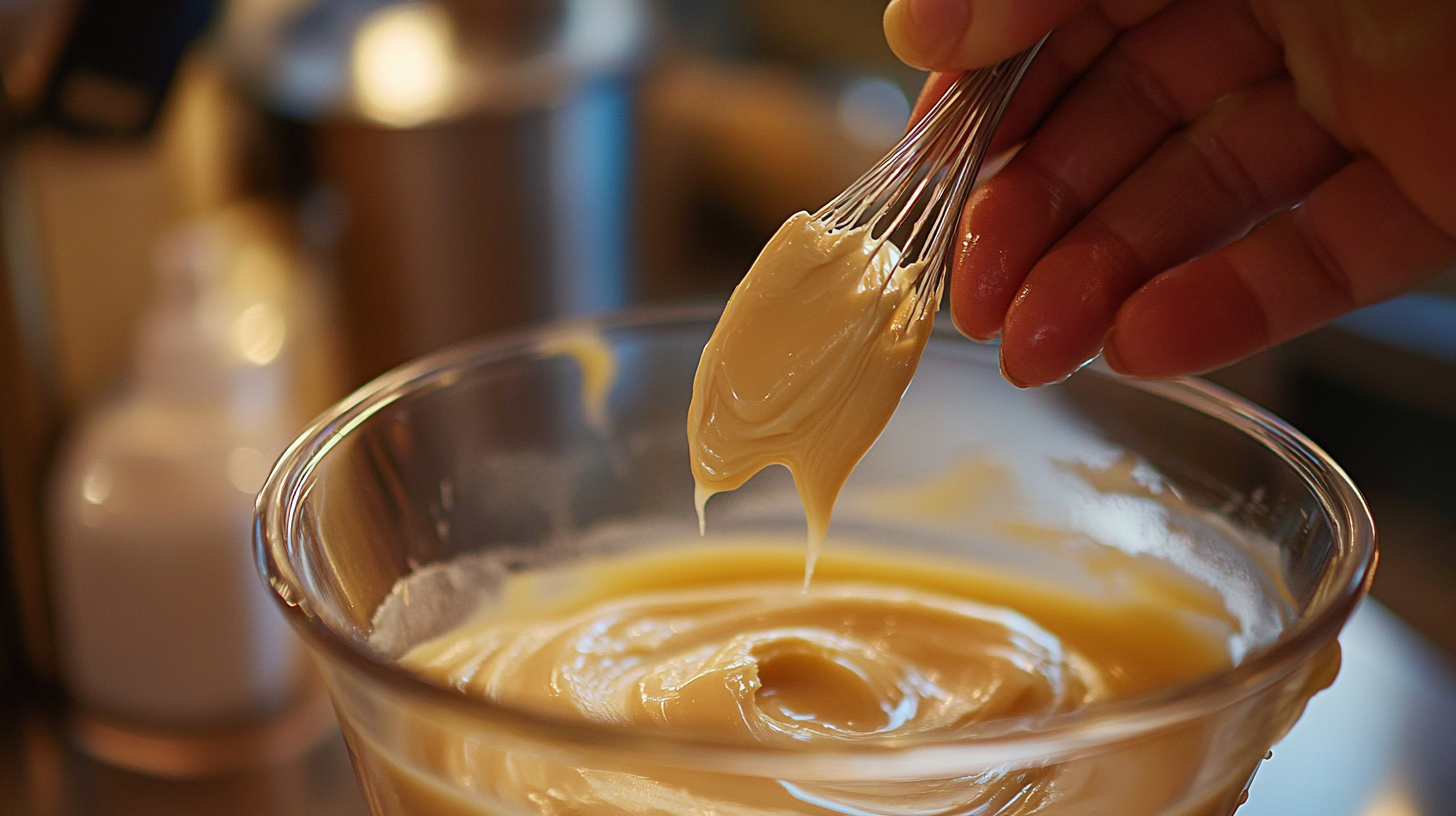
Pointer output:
x,y
923,182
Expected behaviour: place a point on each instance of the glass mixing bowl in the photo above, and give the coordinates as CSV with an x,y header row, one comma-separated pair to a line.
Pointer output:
x,y
400,509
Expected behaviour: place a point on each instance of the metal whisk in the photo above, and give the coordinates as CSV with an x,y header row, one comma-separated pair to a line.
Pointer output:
x,y
923,182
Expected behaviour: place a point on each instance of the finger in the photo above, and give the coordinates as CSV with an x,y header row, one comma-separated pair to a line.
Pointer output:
x,y
1067,54
1152,80
1356,241
1069,51
952,35
1382,77
1253,154
947,35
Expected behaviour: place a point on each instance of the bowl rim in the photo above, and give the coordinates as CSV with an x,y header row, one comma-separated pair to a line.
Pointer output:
x,y
276,516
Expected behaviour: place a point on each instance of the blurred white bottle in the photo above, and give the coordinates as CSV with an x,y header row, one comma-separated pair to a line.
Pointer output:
x,y
163,620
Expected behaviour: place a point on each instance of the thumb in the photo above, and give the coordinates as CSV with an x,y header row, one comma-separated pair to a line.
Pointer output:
x,y
949,35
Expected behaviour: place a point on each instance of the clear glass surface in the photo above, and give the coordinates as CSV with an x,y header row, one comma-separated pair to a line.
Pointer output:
x,y
394,515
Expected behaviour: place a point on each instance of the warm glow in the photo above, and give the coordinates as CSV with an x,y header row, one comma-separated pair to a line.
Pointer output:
x,y
1395,800
404,64
261,272
96,486
258,334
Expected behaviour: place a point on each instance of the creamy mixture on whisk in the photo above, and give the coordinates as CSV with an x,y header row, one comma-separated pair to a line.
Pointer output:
x,y
807,365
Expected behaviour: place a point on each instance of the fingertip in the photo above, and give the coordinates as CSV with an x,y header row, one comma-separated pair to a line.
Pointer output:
x,y
1009,375
966,325
1192,319
1031,353
1030,370
1001,28
969,310
1061,315
1137,344
1112,354
897,26
998,243
924,33
981,331
949,35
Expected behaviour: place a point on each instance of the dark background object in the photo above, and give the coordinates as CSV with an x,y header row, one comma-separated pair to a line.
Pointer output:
x,y
441,226
1386,412
11,655
118,62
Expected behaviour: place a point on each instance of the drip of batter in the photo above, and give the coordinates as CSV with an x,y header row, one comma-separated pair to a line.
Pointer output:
x,y
598,364
806,366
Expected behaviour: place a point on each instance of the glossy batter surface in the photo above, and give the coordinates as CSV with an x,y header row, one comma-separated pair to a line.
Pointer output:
x,y
806,366
723,642
723,639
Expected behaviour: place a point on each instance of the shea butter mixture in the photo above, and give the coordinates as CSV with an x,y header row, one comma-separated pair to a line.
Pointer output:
x,y
806,366
719,641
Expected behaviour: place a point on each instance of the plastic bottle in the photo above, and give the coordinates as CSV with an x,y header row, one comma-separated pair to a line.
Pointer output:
x,y
163,620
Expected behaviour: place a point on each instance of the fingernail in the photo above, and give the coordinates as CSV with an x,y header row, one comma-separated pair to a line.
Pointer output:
x,y
1010,377
923,32
979,337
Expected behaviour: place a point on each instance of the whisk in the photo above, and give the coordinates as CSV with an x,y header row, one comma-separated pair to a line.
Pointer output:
x,y
924,181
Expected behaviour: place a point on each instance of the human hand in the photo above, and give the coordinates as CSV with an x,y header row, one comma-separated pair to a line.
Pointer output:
x,y
1200,179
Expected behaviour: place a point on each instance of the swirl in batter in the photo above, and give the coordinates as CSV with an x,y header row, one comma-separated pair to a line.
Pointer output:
x,y
723,643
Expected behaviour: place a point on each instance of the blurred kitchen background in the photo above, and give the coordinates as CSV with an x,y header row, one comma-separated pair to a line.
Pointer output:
x,y
358,182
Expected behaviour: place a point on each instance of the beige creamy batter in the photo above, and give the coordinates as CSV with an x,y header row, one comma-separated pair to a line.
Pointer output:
x,y
806,366
721,641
